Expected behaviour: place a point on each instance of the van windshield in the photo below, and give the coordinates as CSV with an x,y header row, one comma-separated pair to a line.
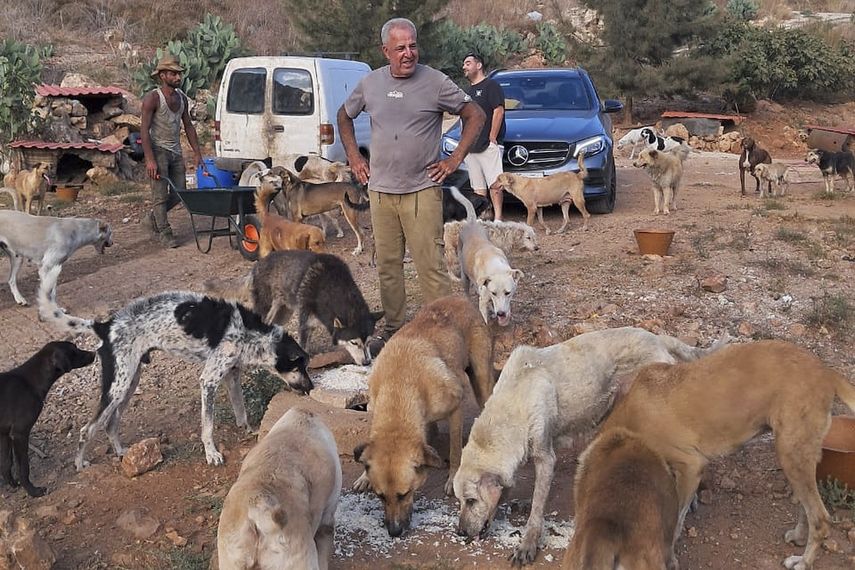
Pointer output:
x,y
545,92
246,91
292,92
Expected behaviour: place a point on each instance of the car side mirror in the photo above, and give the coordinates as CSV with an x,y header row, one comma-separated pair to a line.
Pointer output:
x,y
612,106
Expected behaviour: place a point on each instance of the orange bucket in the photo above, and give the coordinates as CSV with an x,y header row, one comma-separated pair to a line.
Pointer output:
x,y
653,241
838,452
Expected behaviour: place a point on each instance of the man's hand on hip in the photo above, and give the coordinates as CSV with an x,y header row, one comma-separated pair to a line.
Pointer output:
x,y
442,169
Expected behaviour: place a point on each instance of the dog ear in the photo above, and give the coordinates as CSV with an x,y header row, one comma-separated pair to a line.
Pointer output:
x,y
60,361
359,453
431,458
517,274
490,488
486,282
303,241
337,323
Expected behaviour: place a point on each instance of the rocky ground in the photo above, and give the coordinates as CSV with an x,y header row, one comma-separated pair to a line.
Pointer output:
x,y
785,265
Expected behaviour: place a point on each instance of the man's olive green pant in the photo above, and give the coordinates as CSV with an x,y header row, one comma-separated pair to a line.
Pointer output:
x,y
414,220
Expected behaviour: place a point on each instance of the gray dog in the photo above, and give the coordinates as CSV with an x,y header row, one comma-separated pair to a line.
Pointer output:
x,y
48,242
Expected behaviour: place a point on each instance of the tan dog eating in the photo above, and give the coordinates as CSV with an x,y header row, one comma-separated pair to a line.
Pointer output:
x,y
626,506
690,413
419,378
564,188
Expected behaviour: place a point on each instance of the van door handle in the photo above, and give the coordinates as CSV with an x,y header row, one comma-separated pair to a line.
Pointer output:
x,y
278,128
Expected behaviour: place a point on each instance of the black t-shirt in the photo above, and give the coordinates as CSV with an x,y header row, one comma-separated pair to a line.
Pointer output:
x,y
489,95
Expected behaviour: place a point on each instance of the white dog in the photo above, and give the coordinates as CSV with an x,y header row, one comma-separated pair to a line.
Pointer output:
x,y
49,242
777,173
280,513
634,138
547,398
507,236
486,265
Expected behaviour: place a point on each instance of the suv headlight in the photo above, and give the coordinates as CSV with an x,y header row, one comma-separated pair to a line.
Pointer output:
x,y
448,145
590,146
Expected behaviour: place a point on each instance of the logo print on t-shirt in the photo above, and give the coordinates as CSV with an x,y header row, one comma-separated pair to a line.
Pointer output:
x,y
395,95
477,92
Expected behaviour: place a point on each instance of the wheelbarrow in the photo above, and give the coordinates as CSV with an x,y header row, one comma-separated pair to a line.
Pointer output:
x,y
234,205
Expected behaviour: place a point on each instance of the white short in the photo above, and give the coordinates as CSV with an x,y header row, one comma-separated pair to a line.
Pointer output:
x,y
484,167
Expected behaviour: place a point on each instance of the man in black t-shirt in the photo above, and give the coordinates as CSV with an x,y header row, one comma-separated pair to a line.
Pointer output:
x,y
484,160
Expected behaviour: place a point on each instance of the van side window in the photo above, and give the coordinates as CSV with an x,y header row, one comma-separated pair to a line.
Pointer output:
x,y
292,92
246,91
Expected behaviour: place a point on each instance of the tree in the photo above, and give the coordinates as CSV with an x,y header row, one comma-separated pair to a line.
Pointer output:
x,y
650,46
354,25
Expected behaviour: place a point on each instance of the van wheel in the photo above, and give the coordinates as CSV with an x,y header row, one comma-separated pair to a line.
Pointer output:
x,y
248,245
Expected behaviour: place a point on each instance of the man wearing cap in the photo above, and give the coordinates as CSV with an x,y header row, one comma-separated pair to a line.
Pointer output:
x,y
163,111
484,161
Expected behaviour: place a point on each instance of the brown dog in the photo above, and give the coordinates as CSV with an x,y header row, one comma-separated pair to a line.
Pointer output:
x,y
278,233
749,158
693,412
29,185
626,506
666,171
419,378
563,188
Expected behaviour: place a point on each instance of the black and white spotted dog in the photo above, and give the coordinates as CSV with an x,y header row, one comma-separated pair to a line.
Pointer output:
x,y
223,335
833,164
656,141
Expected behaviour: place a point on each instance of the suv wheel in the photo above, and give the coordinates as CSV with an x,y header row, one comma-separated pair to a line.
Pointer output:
x,y
606,205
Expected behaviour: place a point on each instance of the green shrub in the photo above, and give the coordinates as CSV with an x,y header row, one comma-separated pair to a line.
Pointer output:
x,y
20,71
550,42
742,9
494,45
203,55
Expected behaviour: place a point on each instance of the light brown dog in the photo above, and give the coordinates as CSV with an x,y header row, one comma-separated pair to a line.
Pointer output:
x,y
563,188
280,513
626,506
29,185
666,170
278,233
690,413
777,174
303,199
419,378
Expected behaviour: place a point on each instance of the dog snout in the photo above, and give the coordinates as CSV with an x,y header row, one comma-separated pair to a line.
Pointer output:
x,y
299,382
396,528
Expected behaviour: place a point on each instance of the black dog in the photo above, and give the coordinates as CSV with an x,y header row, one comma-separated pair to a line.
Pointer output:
x,y
452,210
22,396
831,163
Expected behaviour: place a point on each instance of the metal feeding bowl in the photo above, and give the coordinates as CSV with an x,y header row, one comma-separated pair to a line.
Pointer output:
x,y
838,452
653,241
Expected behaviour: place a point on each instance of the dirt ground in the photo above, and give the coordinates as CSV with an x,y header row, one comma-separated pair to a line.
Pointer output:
x,y
789,264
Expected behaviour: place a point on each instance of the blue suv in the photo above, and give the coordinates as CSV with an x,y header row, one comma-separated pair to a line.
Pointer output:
x,y
550,116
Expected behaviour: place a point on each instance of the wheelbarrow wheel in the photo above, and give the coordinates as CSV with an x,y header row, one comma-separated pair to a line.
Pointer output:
x,y
248,241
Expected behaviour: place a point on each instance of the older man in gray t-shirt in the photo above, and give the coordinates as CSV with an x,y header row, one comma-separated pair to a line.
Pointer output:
x,y
406,102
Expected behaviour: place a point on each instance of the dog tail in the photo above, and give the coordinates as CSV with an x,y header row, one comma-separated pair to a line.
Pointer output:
x,y
239,290
358,206
52,313
685,353
845,390
471,216
14,196
583,170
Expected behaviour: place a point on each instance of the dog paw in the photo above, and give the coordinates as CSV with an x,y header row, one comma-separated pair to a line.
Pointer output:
x,y
214,457
795,537
339,234
361,485
357,251
548,231
36,491
524,554
449,487
22,302
795,563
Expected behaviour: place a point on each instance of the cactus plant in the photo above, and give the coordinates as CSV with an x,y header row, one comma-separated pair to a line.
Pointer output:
x,y
20,71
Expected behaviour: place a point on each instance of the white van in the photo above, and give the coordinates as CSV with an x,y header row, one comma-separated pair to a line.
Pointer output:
x,y
272,106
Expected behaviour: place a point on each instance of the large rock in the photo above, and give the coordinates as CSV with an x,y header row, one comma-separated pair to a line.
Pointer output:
x,y
78,80
711,280
142,457
138,523
677,130
21,546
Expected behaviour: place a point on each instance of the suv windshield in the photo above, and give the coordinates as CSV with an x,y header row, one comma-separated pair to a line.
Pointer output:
x,y
544,92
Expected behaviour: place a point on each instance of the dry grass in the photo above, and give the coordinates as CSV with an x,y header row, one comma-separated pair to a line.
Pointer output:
x,y
499,13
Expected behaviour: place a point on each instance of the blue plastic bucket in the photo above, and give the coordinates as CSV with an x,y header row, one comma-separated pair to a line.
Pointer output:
x,y
212,177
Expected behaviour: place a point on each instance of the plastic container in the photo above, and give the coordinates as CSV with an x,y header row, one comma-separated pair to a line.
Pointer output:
x,y
67,193
210,176
653,241
838,452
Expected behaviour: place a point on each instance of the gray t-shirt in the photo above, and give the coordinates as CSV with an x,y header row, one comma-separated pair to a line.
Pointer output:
x,y
406,124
